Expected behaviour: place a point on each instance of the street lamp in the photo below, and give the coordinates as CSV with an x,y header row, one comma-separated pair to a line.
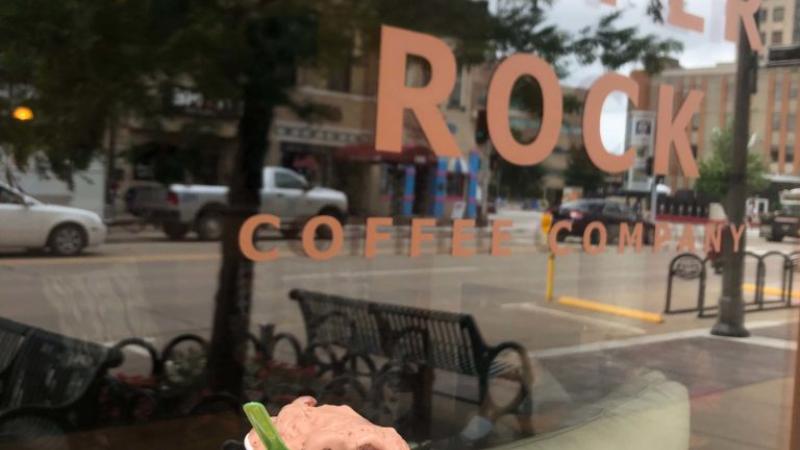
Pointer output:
x,y
22,113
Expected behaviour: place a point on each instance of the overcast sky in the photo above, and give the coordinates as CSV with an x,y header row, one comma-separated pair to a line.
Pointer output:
x,y
700,50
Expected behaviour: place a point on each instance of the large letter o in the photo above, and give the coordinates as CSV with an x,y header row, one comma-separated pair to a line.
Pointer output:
x,y
310,232
497,105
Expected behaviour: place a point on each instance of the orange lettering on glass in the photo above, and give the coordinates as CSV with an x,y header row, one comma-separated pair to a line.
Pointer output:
x,y
662,236
672,131
499,96
310,234
394,97
461,236
595,228
626,237
500,235
552,238
247,236
374,236
592,110
712,240
418,234
686,241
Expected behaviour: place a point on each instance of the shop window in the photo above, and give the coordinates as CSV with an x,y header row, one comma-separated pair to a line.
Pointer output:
x,y
777,14
455,184
340,73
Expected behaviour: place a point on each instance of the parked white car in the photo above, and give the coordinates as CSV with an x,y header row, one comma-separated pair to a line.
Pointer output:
x,y
285,193
28,223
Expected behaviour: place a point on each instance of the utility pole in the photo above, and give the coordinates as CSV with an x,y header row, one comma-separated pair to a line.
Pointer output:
x,y
730,321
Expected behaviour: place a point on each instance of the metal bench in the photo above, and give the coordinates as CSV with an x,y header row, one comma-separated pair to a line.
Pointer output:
x,y
50,378
403,335
12,335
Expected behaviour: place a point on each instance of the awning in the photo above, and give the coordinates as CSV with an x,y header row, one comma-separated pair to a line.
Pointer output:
x,y
368,153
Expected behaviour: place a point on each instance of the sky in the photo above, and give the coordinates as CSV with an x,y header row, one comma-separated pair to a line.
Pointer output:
x,y
700,50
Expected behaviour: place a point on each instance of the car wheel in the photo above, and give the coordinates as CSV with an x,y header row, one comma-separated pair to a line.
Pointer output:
x,y
210,226
175,231
67,240
325,232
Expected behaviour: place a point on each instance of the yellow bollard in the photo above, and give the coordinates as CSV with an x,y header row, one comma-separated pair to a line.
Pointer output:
x,y
551,274
547,223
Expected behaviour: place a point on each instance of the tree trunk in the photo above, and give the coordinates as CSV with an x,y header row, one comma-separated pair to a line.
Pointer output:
x,y
227,352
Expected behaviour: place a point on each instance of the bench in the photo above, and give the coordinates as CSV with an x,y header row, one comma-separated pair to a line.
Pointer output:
x,y
403,335
49,377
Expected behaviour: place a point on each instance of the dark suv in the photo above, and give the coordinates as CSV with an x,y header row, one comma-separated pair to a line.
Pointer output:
x,y
582,212
779,224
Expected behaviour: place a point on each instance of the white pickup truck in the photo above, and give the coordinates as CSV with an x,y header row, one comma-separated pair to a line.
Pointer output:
x,y
285,194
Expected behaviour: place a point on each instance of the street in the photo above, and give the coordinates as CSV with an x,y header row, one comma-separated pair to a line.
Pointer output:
x,y
143,285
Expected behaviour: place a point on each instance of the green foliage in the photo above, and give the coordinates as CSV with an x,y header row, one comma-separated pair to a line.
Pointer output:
x,y
84,66
515,182
615,47
715,171
581,172
79,65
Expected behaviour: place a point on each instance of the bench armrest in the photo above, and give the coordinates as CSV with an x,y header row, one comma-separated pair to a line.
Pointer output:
x,y
524,377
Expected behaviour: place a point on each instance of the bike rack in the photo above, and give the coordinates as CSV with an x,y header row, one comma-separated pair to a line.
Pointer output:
x,y
689,267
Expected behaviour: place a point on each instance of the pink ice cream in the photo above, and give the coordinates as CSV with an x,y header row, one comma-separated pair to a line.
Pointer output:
x,y
305,426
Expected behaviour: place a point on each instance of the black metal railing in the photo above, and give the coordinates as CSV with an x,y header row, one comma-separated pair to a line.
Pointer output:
x,y
690,268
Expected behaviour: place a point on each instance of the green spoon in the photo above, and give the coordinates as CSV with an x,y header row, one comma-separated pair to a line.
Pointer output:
x,y
259,418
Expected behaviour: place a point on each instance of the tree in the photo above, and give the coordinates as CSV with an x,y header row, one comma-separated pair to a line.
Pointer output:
x,y
80,66
715,171
581,172
90,64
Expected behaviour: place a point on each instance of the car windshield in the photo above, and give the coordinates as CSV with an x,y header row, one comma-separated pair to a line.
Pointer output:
x,y
17,193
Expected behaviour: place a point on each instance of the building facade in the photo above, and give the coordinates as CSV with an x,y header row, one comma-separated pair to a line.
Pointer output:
x,y
773,113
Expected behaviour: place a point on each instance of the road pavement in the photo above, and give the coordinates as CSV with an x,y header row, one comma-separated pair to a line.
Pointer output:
x,y
143,285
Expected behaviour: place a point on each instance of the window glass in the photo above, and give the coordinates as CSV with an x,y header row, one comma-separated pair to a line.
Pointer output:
x,y
777,14
396,225
9,197
287,180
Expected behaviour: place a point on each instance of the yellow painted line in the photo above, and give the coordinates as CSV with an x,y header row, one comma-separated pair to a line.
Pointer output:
x,y
591,305
749,287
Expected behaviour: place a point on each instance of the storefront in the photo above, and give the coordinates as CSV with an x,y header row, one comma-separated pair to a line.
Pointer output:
x,y
416,225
